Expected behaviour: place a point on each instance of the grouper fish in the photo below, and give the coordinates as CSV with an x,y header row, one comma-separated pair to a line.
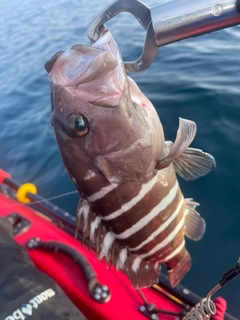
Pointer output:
x,y
112,144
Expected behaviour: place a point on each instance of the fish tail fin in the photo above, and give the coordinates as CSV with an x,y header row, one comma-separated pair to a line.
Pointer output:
x,y
178,266
142,273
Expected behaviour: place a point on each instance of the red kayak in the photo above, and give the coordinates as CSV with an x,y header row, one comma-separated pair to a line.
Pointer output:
x,y
99,292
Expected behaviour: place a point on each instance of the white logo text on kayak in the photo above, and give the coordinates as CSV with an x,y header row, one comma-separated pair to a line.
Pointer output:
x,y
28,308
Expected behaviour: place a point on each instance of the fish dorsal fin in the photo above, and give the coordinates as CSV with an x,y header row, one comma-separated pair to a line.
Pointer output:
x,y
83,210
189,163
194,224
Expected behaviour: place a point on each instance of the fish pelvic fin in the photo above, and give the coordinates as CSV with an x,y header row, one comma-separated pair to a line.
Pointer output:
x,y
189,163
195,225
178,266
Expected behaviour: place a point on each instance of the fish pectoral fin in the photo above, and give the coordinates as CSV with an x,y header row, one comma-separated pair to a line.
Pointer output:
x,y
185,135
189,163
193,164
194,224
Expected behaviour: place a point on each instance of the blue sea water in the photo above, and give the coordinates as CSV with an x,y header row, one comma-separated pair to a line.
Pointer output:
x,y
196,79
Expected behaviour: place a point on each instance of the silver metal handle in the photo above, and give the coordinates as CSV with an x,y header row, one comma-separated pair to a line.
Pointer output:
x,y
182,19
170,22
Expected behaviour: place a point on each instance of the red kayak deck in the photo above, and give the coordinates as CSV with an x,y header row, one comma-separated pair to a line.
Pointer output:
x,y
125,301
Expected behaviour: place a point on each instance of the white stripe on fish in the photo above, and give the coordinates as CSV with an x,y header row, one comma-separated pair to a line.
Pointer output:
x,y
161,228
94,226
102,192
84,209
107,243
90,175
156,266
160,245
151,215
175,252
146,187
122,259
136,263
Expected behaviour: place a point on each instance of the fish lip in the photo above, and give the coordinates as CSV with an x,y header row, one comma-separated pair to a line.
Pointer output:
x,y
49,64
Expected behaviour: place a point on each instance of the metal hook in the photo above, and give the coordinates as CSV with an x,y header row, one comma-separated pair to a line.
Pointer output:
x,y
142,13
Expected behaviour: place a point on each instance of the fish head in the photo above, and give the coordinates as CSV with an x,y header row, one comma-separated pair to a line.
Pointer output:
x,y
102,121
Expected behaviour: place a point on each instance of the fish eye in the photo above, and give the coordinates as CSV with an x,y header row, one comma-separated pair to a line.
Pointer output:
x,y
78,124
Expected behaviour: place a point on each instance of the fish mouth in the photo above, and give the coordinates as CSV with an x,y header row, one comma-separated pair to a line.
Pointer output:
x,y
100,64
94,73
82,48
81,65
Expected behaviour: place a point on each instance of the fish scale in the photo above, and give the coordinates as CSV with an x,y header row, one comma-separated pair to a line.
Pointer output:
x,y
131,205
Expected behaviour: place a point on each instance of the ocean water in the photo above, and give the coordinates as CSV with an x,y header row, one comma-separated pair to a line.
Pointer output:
x,y
197,79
